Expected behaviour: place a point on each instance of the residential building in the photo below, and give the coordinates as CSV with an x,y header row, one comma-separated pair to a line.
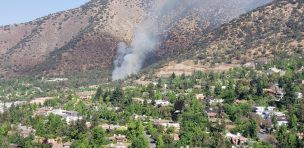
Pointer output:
x,y
162,103
42,111
113,127
236,139
276,91
214,101
167,123
119,138
200,97
275,70
118,145
69,116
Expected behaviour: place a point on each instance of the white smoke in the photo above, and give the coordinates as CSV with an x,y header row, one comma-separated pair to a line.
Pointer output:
x,y
147,35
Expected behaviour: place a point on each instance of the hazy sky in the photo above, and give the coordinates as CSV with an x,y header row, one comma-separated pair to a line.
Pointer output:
x,y
19,11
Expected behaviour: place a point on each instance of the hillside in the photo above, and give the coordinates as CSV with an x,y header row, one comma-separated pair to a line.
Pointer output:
x,y
269,31
86,38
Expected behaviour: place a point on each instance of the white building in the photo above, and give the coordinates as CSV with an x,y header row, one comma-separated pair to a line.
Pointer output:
x,y
299,95
163,103
213,101
69,116
275,70
265,112
57,79
167,123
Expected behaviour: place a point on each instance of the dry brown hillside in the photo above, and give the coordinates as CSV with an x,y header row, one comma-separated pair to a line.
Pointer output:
x,y
277,28
86,38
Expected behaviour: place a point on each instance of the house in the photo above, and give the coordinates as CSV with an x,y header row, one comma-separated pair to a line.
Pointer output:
x,y
163,103
264,112
118,145
275,70
269,112
115,108
69,116
301,69
281,120
214,101
25,131
167,123
211,114
200,97
237,139
56,143
119,138
240,101
216,116
141,117
57,80
14,146
300,135
42,111
276,91
175,137
299,95
67,144
113,127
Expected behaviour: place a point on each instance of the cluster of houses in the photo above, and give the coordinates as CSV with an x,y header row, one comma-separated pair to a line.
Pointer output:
x,y
7,105
26,131
162,103
210,100
167,123
267,113
68,116
117,141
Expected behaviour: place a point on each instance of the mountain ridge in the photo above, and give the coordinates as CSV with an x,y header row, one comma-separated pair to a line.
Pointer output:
x,y
94,41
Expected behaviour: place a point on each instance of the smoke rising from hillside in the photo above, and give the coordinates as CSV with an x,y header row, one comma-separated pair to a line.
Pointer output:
x,y
130,58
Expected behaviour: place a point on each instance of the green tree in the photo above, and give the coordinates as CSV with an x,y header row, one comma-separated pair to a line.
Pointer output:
x,y
160,142
4,128
117,96
98,93
140,142
218,89
293,121
150,90
98,135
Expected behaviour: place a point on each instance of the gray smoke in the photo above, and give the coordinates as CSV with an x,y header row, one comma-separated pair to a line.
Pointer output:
x,y
147,36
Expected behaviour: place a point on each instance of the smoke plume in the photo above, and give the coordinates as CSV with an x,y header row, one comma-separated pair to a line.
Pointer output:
x,y
147,36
